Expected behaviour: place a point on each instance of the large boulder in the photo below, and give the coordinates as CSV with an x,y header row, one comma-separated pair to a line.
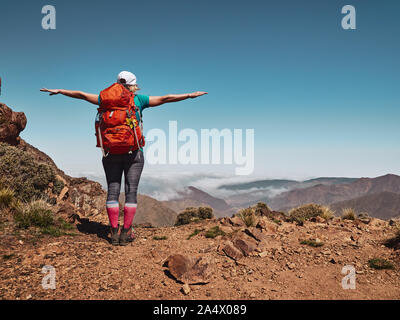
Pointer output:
x,y
11,125
229,249
189,269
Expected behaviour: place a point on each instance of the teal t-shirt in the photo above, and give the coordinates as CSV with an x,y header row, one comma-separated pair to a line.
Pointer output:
x,y
142,102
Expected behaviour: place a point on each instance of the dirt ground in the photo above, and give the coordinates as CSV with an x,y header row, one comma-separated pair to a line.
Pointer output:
x,y
88,267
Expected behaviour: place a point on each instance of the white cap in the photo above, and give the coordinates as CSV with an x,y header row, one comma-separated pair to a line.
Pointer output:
x,y
126,77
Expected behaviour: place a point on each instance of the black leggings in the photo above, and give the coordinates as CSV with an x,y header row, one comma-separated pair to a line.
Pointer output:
x,y
131,164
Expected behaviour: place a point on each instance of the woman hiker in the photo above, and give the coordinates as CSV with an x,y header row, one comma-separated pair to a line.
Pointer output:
x,y
130,163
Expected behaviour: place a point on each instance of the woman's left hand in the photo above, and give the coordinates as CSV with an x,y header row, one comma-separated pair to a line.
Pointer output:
x,y
52,91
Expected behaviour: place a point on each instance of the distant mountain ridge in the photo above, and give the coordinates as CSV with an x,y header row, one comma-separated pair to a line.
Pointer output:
x,y
329,194
384,205
249,193
194,197
282,183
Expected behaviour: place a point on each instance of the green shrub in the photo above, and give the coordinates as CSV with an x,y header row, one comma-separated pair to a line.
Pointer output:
x,y
278,222
6,197
194,233
379,263
191,214
29,178
52,231
261,208
327,214
308,211
34,214
248,216
348,214
37,214
205,212
160,238
262,205
312,243
214,232
58,185
8,256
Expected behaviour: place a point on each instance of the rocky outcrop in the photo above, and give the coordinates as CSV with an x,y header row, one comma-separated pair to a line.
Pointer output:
x,y
87,196
80,195
11,125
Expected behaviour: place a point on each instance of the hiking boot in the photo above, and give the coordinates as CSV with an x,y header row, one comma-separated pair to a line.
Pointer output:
x,y
126,236
114,236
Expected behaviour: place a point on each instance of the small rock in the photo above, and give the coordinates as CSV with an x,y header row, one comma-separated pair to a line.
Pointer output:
x,y
261,224
236,221
225,221
326,252
186,289
291,265
263,254
255,233
365,220
208,249
318,219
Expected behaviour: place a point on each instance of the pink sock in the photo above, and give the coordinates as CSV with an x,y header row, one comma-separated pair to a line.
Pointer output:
x,y
113,213
129,214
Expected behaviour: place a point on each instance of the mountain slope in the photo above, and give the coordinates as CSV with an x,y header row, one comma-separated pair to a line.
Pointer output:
x,y
247,194
261,184
327,194
384,205
150,211
287,184
194,197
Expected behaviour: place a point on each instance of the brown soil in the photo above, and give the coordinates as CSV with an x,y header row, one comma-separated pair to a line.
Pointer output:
x,y
88,267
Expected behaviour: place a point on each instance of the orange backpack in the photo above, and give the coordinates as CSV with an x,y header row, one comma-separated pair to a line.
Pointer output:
x,y
117,127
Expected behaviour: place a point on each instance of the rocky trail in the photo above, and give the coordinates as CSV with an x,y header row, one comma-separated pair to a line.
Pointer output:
x,y
263,262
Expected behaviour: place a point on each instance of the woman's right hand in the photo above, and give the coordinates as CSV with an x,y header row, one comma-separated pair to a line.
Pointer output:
x,y
52,91
197,94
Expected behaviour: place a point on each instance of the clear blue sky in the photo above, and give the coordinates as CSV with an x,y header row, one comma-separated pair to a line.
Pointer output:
x,y
323,101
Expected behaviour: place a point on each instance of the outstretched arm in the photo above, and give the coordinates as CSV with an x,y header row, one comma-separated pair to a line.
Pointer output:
x,y
159,100
90,97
